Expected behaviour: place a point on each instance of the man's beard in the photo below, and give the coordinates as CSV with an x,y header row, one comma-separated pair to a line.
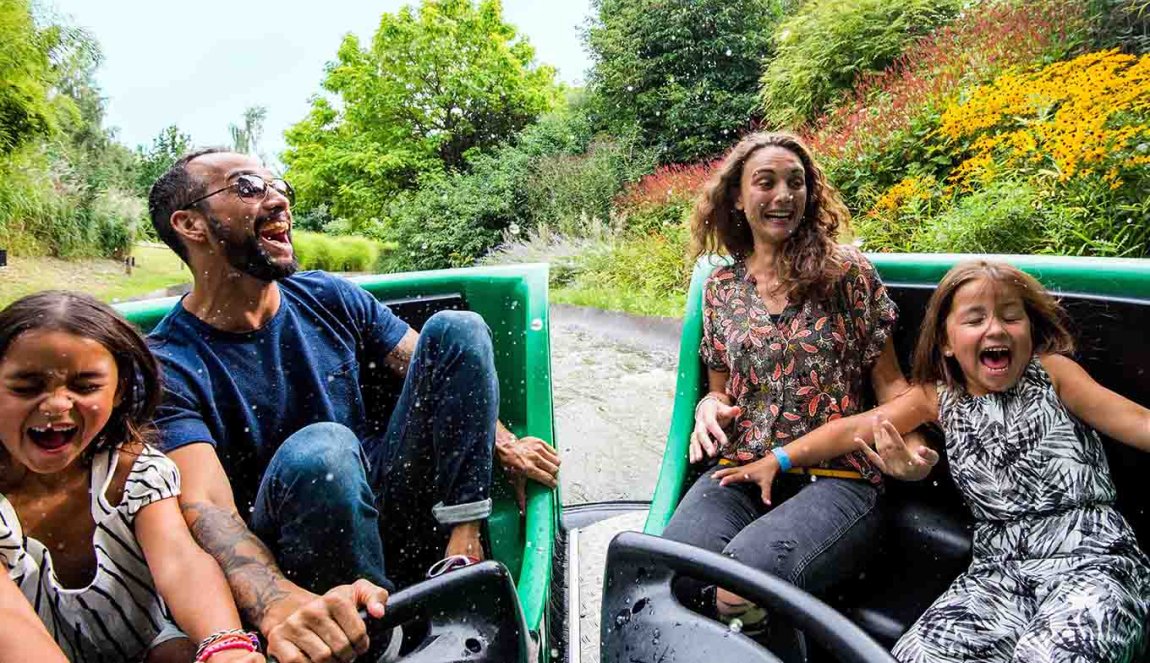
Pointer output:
x,y
247,256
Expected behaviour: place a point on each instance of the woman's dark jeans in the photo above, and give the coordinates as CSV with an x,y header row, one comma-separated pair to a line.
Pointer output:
x,y
332,508
820,532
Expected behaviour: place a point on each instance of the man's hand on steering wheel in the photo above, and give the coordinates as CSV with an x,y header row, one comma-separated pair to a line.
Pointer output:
x,y
712,415
528,458
328,628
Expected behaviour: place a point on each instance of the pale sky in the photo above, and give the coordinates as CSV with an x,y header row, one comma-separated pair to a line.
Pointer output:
x,y
200,64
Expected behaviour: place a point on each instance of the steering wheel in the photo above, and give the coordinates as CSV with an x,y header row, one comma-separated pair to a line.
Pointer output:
x,y
643,621
471,615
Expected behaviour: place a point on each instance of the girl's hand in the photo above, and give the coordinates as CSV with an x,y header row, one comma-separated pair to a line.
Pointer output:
x,y
762,472
894,457
711,417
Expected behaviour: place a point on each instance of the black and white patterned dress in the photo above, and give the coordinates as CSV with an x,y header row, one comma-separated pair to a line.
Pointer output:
x,y
1057,574
119,615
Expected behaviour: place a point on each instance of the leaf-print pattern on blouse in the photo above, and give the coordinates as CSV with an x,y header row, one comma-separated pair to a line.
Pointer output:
x,y
807,366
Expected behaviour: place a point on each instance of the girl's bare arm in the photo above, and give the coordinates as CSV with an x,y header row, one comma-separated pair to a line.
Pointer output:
x,y
908,411
1113,414
188,579
23,637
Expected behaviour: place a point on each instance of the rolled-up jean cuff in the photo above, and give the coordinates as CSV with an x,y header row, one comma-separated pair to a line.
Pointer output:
x,y
461,513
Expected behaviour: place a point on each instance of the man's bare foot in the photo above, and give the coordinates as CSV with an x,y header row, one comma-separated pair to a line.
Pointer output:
x,y
465,540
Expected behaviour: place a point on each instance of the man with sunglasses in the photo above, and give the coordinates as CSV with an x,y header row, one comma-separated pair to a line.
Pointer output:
x,y
290,478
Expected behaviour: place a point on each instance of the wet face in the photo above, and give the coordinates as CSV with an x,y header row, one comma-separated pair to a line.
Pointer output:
x,y
253,235
988,334
57,392
773,194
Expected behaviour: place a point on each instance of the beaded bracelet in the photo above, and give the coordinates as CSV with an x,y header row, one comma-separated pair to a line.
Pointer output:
x,y
245,638
225,645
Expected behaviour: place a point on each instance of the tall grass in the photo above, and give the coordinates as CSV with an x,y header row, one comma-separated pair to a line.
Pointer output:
x,y
42,213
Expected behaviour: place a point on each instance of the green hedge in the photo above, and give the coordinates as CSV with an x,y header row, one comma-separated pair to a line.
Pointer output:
x,y
336,253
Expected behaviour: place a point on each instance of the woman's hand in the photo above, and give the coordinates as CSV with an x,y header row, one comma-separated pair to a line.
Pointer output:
x,y
894,457
711,417
762,472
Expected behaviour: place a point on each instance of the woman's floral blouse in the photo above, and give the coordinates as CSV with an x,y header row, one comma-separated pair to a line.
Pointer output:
x,y
809,366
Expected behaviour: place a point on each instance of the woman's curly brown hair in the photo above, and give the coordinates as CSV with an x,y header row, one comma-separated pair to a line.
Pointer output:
x,y
806,263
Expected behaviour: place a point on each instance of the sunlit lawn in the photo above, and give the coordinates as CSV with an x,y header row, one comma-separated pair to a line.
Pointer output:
x,y
157,268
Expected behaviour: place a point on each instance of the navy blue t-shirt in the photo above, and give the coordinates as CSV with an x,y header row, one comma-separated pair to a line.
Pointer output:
x,y
245,393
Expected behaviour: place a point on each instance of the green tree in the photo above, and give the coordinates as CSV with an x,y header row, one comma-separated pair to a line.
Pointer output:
x,y
25,78
821,50
246,136
683,72
436,84
154,161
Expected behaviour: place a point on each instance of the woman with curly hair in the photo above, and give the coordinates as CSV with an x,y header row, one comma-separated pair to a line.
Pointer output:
x,y
794,331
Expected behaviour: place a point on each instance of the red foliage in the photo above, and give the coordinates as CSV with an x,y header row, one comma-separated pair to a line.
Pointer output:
x,y
977,45
668,184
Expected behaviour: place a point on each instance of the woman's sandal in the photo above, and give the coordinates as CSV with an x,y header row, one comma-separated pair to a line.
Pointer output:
x,y
451,563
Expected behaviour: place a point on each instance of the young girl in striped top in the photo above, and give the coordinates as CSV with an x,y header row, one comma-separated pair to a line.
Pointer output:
x,y
90,529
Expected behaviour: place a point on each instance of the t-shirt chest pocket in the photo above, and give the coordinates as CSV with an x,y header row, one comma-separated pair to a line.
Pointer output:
x,y
341,384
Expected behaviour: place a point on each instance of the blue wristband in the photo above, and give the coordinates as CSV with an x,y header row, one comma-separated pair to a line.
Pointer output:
x,y
783,458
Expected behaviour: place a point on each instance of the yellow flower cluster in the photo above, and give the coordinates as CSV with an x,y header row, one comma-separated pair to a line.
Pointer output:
x,y
1077,118
908,190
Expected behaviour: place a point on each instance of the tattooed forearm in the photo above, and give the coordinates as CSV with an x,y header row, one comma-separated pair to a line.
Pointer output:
x,y
400,356
256,581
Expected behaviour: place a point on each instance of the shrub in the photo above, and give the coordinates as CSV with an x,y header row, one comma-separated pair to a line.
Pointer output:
x,y
886,129
654,263
42,213
555,175
1123,24
1006,217
567,254
663,198
336,253
895,220
821,51
1100,221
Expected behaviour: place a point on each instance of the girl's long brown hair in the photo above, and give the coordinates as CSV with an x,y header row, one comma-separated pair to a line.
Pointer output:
x,y
807,264
1049,327
139,375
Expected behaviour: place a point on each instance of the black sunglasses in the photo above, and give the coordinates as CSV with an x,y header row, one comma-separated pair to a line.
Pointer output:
x,y
252,189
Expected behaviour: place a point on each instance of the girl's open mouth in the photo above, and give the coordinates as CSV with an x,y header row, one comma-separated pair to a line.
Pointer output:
x,y
51,437
996,359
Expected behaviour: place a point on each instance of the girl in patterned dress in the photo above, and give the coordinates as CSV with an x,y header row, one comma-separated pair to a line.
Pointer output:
x,y
90,531
1057,574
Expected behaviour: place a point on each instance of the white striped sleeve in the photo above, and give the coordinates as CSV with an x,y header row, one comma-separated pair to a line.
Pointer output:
x,y
11,541
154,477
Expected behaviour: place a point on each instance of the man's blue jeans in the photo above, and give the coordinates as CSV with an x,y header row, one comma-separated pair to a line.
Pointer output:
x,y
332,508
